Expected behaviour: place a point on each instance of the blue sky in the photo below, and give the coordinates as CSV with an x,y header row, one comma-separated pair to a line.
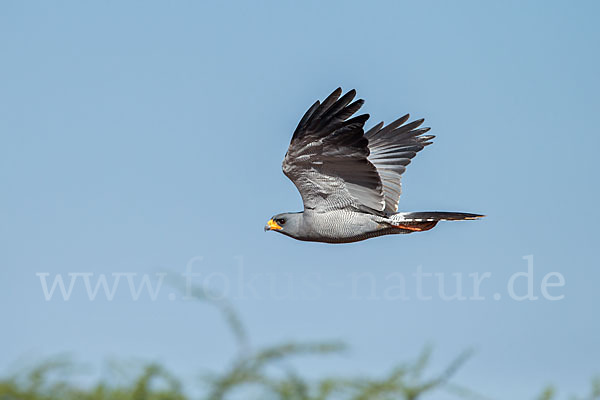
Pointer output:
x,y
136,136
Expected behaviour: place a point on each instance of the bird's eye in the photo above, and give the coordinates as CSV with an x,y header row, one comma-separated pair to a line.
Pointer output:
x,y
280,221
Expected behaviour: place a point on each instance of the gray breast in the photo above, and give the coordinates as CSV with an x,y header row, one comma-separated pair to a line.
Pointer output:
x,y
342,226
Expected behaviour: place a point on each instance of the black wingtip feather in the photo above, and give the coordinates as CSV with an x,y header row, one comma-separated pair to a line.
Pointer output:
x,y
340,109
359,118
306,117
333,96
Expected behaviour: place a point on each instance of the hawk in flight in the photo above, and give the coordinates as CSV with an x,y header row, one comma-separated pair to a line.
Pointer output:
x,y
349,179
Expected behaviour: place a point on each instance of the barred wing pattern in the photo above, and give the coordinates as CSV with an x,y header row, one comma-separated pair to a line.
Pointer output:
x,y
328,161
391,149
335,165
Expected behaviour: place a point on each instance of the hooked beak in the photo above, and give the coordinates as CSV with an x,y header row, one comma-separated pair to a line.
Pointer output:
x,y
272,226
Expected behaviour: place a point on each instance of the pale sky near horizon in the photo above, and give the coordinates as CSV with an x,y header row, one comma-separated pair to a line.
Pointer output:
x,y
139,137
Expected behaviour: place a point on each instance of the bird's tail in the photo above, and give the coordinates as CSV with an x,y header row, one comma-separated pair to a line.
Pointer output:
x,y
425,220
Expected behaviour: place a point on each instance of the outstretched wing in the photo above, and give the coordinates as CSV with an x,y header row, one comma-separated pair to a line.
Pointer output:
x,y
328,157
391,149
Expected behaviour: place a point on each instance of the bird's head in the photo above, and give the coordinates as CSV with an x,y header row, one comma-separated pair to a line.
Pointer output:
x,y
286,223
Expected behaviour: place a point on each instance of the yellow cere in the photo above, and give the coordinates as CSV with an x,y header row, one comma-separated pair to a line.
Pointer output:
x,y
273,225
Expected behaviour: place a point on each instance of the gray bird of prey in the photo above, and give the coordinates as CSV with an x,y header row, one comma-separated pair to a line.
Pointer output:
x,y
349,180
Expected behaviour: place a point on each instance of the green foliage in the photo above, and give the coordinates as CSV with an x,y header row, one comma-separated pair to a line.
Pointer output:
x,y
594,394
261,374
48,382
247,374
